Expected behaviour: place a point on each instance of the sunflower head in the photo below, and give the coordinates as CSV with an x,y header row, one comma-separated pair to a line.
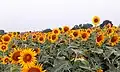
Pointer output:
x,y
42,39
84,35
5,60
54,38
95,20
56,31
100,39
27,57
75,34
3,47
99,70
89,31
65,28
34,37
114,40
33,68
6,38
15,56
110,31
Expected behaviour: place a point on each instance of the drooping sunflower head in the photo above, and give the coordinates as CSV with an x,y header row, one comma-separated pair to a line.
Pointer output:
x,y
100,39
5,60
15,55
27,57
37,50
3,47
33,68
6,38
65,28
84,35
95,20
54,38
114,39
56,31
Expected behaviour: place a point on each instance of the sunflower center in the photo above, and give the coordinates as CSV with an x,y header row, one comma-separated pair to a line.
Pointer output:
x,y
109,31
41,39
34,36
88,31
99,38
6,60
56,31
75,34
32,69
3,47
114,39
53,37
16,55
6,38
66,29
96,20
27,58
84,35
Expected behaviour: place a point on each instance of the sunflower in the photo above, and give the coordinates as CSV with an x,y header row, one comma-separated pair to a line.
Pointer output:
x,y
41,39
5,60
15,34
56,31
24,38
110,31
37,50
95,20
15,55
53,38
3,47
100,39
84,35
75,34
89,31
33,68
10,34
27,57
6,38
99,70
114,39
34,37
65,28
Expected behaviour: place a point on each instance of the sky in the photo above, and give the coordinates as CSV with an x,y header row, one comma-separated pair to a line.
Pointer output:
x,y
37,15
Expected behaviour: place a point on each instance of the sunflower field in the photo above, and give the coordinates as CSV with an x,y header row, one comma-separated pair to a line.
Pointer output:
x,y
64,49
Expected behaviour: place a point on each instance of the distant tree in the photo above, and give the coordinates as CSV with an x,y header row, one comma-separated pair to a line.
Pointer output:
x,y
85,26
75,27
2,32
47,30
105,23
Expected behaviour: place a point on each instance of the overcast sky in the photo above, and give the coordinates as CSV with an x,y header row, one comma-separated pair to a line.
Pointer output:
x,y
24,15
